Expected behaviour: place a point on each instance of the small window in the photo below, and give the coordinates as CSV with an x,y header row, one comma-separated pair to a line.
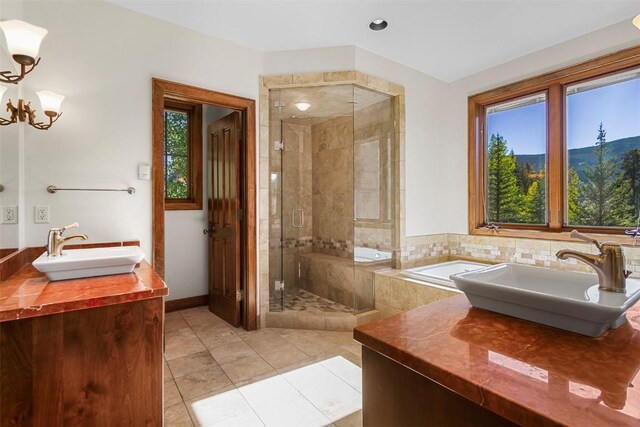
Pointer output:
x,y
182,155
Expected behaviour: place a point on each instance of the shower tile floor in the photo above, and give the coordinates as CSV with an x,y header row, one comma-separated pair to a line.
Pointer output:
x,y
297,299
218,375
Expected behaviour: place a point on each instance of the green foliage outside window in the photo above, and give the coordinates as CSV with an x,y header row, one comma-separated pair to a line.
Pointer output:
x,y
605,196
503,195
176,144
603,186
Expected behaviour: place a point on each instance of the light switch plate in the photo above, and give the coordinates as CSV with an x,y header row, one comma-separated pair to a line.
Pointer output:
x,y
144,172
41,215
9,214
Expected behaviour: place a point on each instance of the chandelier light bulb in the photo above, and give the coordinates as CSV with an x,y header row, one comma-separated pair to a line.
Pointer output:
x,y
23,40
50,102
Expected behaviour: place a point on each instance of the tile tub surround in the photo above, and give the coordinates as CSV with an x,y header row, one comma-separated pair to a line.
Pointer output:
x,y
423,250
321,79
395,293
528,373
202,384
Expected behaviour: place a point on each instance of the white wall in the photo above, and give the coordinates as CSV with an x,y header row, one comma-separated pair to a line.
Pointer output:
x,y
187,248
102,58
606,40
310,60
11,146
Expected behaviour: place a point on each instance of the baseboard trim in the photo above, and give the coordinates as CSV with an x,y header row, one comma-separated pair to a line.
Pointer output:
x,y
184,303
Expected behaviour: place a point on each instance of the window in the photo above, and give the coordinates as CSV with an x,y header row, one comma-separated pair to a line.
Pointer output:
x,y
182,155
603,151
558,151
516,144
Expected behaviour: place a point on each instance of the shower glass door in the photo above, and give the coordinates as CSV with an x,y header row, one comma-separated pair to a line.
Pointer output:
x,y
311,209
331,197
276,277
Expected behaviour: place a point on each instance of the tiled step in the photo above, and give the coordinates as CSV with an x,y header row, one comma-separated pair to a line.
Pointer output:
x,y
330,321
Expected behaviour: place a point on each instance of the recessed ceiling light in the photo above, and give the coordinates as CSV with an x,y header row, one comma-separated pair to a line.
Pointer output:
x,y
378,24
303,106
636,21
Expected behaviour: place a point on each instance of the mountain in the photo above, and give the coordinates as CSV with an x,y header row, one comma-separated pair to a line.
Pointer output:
x,y
580,157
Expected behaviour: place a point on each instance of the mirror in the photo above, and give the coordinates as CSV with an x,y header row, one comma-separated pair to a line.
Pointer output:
x,y
10,148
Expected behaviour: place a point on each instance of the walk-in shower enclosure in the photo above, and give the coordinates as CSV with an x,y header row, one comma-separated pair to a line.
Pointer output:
x,y
331,196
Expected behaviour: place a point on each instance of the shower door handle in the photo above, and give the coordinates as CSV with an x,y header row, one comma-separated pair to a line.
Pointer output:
x,y
293,218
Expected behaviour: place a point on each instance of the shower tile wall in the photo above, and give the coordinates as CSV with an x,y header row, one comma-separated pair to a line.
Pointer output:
x,y
332,171
373,185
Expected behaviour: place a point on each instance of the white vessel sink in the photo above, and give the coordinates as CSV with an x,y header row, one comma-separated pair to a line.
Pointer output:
x,y
562,299
77,263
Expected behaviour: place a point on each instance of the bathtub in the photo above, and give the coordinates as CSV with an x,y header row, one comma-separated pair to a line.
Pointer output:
x,y
439,273
366,255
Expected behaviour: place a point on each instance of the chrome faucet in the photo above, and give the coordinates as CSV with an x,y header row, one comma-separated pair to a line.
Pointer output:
x,y
609,264
56,241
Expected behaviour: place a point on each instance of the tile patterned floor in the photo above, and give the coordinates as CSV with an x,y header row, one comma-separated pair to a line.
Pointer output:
x,y
217,375
300,300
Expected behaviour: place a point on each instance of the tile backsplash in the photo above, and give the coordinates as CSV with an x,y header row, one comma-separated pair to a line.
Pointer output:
x,y
495,249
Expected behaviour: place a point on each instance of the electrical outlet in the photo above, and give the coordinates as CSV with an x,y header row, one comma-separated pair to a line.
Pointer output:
x,y
9,214
42,215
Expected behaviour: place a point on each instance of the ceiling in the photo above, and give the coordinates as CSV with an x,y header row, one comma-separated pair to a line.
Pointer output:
x,y
327,102
446,39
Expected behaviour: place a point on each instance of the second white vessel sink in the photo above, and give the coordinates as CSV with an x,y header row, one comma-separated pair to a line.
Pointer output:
x,y
77,263
562,299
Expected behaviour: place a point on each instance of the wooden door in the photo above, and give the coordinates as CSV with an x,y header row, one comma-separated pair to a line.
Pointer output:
x,y
224,200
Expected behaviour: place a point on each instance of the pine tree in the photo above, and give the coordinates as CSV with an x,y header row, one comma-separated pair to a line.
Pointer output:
x,y
523,173
606,198
574,195
631,173
534,202
503,195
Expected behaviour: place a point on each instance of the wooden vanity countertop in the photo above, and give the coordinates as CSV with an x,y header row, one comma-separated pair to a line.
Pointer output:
x,y
28,293
531,374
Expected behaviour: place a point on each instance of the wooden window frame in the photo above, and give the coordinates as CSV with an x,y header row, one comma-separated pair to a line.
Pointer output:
x,y
194,153
553,85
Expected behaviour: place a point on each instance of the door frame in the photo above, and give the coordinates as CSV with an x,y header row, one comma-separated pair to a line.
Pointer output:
x,y
160,90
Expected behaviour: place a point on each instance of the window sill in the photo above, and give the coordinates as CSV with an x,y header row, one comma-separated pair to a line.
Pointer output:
x,y
187,205
552,235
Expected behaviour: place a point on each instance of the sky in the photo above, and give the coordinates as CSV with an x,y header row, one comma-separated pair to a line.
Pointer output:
x,y
617,106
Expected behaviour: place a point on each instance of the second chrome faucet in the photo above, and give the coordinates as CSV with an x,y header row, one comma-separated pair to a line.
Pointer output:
x,y
609,264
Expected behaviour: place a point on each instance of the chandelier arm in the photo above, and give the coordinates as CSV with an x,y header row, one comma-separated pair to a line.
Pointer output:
x,y
8,77
6,122
41,125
